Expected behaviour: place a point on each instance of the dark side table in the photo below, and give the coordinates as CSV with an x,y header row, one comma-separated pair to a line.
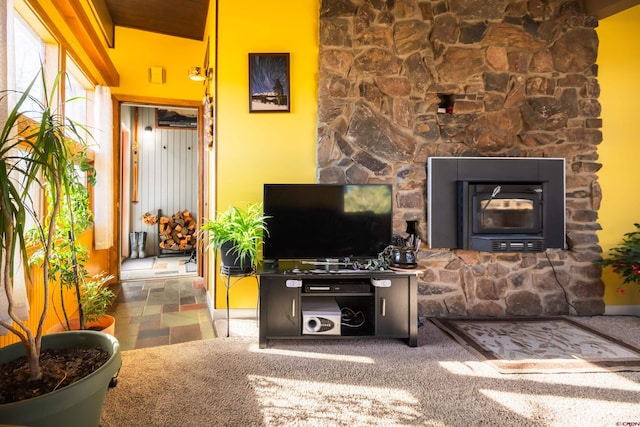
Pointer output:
x,y
233,275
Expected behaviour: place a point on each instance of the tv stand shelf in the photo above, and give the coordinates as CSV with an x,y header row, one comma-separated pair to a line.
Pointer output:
x,y
383,304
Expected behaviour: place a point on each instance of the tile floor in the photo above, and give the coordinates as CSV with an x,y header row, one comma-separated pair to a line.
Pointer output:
x,y
163,311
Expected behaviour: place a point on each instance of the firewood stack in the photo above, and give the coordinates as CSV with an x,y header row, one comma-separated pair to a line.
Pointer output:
x,y
177,232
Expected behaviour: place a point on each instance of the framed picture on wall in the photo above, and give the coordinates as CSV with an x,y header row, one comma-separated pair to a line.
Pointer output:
x,y
177,118
269,89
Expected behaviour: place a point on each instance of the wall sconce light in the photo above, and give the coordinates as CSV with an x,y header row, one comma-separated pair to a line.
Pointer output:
x,y
148,135
198,74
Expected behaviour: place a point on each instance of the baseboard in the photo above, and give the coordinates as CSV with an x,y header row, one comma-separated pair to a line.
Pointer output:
x,y
210,305
234,313
622,310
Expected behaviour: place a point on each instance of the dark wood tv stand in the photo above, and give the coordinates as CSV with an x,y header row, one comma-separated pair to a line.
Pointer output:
x,y
385,300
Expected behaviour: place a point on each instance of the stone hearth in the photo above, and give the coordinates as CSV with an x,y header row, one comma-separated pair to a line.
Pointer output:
x,y
523,80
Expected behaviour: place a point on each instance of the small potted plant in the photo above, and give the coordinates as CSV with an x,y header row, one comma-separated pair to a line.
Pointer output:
x,y
625,258
237,233
95,298
68,260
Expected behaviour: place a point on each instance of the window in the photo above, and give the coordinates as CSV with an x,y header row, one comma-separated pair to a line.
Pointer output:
x,y
29,58
35,191
33,51
35,48
75,107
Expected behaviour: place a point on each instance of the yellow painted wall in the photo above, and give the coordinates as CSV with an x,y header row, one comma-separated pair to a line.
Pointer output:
x,y
257,148
136,51
618,63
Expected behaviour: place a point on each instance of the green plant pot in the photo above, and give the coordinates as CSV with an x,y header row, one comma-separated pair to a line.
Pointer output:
x,y
78,404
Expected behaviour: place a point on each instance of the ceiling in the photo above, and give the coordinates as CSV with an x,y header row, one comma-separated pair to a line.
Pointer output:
x,y
187,18
179,18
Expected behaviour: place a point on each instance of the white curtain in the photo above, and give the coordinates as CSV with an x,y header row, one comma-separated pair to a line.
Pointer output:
x,y
6,53
21,303
20,300
103,134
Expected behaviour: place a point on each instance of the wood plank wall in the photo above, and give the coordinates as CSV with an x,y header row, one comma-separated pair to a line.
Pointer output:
x,y
167,174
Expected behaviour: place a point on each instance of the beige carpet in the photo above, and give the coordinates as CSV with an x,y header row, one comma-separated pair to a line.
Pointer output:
x,y
541,345
237,328
352,383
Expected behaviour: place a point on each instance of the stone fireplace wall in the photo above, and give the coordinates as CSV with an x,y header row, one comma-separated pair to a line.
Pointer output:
x,y
522,76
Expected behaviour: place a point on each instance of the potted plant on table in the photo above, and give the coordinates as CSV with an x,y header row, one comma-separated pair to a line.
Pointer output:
x,y
38,153
237,233
625,258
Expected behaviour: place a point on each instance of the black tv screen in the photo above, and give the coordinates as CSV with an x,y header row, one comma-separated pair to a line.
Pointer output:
x,y
326,221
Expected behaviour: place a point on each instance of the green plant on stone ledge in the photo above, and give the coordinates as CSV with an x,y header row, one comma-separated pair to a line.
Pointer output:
x,y
625,258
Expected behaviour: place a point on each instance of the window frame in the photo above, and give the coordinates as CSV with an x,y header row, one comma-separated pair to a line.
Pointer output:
x,y
55,59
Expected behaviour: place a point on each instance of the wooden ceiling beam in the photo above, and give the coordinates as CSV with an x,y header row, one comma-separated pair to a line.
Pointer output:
x,y
602,9
80,25
90,40
102,15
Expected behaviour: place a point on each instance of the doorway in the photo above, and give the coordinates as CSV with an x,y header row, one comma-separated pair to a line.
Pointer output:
x,y
161,161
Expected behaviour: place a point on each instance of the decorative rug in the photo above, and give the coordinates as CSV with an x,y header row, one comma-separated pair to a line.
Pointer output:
x,y
174,266
155,267
544,345
191,267
167,267
130,264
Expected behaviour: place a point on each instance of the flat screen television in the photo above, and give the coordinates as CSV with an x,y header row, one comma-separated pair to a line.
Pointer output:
x,y
326,221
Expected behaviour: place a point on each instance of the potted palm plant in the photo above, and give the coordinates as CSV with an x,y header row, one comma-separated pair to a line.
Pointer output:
x,y
237,233
36,152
